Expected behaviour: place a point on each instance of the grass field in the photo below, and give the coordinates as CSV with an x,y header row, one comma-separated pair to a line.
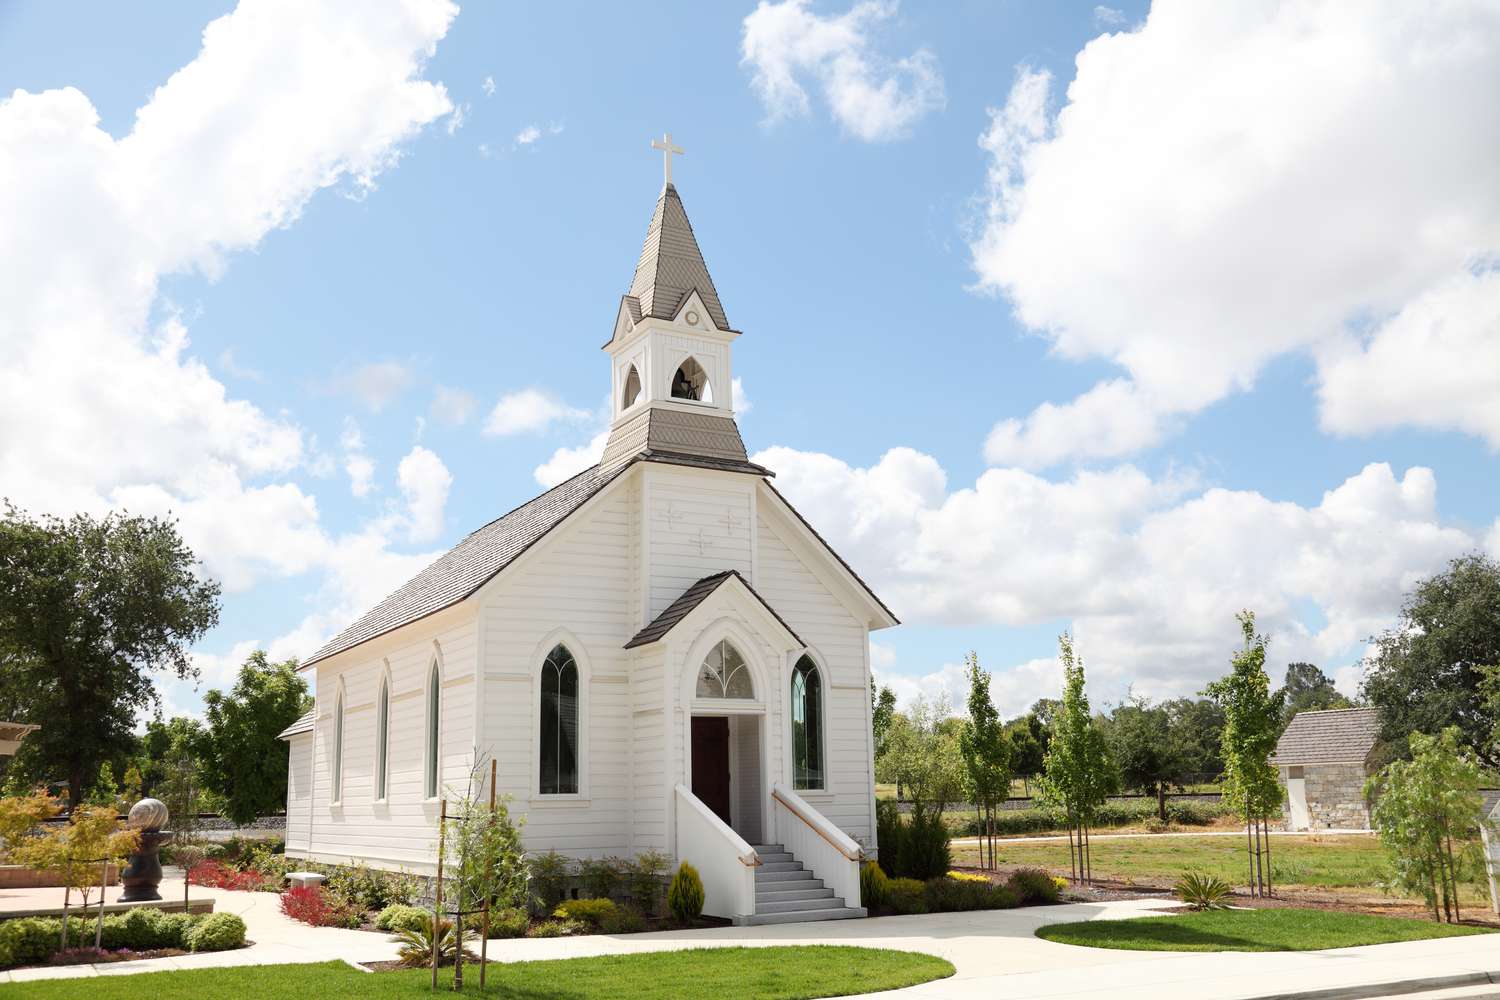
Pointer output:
x,y
718,973
1250,930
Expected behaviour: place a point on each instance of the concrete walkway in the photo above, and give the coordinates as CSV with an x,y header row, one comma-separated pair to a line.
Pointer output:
x,y
996,954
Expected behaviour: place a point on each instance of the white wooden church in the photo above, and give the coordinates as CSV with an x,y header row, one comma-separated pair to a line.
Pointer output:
x,y
660,653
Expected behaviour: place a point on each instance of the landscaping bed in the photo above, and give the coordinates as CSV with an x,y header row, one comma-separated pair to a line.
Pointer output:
x,y
1279,929
140,933
772,973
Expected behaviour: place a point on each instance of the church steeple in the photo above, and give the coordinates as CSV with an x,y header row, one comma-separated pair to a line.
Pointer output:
x,y
671,358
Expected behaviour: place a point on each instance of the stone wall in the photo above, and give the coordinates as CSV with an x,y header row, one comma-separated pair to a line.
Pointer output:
x,y
1335,797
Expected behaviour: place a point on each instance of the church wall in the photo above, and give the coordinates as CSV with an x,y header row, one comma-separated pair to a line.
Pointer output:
x,y
401,831
841,643
648,751
579,581
299,791
698,524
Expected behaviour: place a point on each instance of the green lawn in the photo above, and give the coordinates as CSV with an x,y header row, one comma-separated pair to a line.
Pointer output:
x,y
718,973
1332,862
1250,930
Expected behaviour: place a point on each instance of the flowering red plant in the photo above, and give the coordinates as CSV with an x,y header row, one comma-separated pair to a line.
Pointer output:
x,y
217,875
311,905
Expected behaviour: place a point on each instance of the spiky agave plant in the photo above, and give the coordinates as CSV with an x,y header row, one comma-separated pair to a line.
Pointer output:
x,y
1201,891
417,944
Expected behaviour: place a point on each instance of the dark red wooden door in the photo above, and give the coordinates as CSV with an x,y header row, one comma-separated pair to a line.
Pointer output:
x,y
711,764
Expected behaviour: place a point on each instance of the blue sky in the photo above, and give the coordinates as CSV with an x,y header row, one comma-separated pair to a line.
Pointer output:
x,y
1224,307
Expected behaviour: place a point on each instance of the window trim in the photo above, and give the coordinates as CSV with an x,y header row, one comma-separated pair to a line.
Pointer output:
x,y
432,731
640,387
383,735
336,763
822,674
560,637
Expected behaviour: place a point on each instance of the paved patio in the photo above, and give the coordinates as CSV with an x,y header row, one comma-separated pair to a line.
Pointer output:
x,y
996,954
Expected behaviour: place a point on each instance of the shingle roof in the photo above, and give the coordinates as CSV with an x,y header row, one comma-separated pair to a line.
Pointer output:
x,y
472,562
690,599
1334,736
302,725
671,265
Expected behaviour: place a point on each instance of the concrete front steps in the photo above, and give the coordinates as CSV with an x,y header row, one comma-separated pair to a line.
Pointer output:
x,y
787,893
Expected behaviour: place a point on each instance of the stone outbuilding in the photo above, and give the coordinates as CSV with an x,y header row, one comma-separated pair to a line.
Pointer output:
x,y
1324,760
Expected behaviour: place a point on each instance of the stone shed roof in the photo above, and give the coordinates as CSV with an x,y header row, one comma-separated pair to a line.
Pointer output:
x,y
1334,736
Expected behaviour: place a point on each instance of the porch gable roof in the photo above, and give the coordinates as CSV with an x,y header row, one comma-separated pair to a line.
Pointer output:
x,y
690,599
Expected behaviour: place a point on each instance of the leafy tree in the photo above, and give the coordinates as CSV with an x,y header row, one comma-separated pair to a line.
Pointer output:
x,y
77,851
1252,725
1427,673
1308,689
1147,751
244,758
20,815
1078,775
1197,726
485,860
1428,811
922,754
882,711
90,609
985,750
1028,747
166,746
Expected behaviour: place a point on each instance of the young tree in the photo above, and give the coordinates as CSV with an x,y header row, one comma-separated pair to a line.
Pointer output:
x,y
986,753
486,863
1028,748
244,757
882,711
1428,811
1147,751
89,610
179,791
922,755
79,852
1252,725
1308,689
1078,775
1426,673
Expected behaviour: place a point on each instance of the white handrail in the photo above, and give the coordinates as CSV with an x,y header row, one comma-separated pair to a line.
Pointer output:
x,y
841,841
725,862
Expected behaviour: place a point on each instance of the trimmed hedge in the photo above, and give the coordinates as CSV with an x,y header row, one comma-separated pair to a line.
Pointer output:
x,y
30,940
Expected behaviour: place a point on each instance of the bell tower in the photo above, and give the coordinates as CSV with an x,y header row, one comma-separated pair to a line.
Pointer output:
x,y
671,356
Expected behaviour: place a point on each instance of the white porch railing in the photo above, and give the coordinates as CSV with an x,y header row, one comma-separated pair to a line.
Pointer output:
x,y
828,852
724,861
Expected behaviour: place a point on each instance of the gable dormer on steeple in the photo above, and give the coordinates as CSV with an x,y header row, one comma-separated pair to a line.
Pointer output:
x,y
671,356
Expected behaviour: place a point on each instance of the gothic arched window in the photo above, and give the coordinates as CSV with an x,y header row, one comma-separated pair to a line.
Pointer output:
x,y
724,674
632,389
691,382
807,725
559,728
434,702
338,746
382,737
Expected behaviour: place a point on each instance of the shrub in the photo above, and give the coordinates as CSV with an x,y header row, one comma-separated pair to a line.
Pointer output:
x,y
599,877
646,877
873,884
369,888
316,906
549,879
924,851
890,833
217,932
624,920
593,911
946,895
512,922
418,944
28,940
557,928
685,894
967,877
219,875
1202,892
399,917
147,929
1034,886
906,895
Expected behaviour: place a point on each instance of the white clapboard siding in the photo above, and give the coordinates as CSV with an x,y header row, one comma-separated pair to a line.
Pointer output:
x,y
699,525
299,791
648,751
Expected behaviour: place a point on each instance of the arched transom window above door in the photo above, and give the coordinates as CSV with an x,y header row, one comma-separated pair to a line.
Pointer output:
x,y
724,674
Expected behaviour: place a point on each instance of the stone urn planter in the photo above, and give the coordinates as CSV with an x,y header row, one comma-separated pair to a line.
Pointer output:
x,y
142,875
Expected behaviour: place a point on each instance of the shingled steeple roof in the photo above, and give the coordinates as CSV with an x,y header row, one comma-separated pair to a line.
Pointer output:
x,y
671,265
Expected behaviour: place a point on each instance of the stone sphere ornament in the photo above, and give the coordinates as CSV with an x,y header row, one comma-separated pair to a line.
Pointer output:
x,y
148,814
142,875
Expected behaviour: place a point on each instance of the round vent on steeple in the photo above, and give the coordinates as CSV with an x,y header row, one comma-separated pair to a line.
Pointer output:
x,y
691,382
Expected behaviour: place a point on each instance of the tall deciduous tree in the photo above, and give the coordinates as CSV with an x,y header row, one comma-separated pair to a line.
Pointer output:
x,y
90,609
1426,673
882,711
1148,752
1308,689
244,757
1078,775
986,752
1252,725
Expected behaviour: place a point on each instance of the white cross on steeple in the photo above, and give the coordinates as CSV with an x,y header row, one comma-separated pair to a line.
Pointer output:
x,y
667,149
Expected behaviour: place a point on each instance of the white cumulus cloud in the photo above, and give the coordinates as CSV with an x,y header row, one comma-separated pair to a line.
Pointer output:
x,y
566,463
874,97
527,411
425,482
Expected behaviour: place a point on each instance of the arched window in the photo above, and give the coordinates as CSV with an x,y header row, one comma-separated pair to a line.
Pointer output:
x,y
632,389
434,697
338,745
559,731
724,674
691,382
807,725
382,737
